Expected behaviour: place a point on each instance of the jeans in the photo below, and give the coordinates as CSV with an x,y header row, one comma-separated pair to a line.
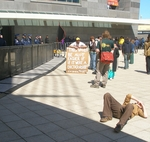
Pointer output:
x,y
148,64
93,60
126,61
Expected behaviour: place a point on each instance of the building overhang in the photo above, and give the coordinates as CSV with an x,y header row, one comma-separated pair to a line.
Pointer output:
x,y
70,18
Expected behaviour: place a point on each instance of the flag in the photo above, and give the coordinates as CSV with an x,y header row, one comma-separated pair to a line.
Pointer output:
x,y
60,34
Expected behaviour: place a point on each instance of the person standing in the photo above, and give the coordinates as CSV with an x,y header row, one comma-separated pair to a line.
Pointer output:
x,y
106,45
92,47
24,40
77,44
126,51
29,39
40,40
112,108
2,52
36,40
46,39
121,41
2,41
136,44
132,54
17,40
147,54
114,64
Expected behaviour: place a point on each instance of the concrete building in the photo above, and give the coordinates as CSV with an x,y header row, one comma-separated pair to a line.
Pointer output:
x,y
143,31
77,17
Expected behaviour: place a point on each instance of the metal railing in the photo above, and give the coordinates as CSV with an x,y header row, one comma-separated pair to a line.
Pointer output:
x,y
18,59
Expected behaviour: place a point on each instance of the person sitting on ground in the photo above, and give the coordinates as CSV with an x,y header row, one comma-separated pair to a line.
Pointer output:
x,y
112,108
77,44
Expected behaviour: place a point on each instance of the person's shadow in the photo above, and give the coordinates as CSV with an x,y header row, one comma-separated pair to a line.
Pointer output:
x,y
120,67
140,71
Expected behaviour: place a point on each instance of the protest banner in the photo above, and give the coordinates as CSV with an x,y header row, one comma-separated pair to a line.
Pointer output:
x,y
77,60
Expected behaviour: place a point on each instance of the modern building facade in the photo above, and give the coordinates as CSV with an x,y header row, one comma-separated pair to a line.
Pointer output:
x,y
77,17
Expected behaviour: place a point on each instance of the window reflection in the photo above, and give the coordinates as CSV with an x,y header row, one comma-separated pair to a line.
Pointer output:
x,y
71,1
74,1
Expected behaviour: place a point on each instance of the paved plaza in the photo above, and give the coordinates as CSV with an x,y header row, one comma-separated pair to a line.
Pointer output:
x,y
48,105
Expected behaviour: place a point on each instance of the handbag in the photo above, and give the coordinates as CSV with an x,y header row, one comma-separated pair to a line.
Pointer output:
x,y
106,57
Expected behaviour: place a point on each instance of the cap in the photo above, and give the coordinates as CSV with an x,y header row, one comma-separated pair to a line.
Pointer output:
x,y
24,34
16,34
77,38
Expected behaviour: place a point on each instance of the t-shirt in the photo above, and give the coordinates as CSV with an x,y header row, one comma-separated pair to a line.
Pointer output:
x,y
78,45
106,45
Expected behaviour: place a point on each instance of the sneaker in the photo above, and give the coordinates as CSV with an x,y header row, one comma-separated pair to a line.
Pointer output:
x,y
94,86
105,119
103,86
118,128
94,72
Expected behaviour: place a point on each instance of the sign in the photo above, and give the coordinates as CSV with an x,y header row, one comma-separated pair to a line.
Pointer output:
x,y
112,2
77,60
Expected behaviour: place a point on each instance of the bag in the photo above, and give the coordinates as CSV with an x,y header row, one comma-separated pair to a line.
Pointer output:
x,y
106,57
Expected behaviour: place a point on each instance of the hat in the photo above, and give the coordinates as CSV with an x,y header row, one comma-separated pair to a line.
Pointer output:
x,y
16,34
77,38
23,34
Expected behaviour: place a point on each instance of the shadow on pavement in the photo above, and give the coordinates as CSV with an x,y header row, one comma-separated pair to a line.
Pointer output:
x,y
24,120
141,71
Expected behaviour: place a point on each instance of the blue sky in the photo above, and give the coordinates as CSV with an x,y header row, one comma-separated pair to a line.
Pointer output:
x,y
144,9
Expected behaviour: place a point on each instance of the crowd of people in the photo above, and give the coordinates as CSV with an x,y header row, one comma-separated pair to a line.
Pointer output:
x,y
112,108
127,46
105,43
26,39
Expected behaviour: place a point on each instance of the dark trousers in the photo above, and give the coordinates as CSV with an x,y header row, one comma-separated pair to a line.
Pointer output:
x,y
148,64
112,108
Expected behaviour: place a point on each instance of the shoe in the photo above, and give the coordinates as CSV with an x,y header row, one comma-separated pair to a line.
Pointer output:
x,y
94,72
118,128
105,119
94,86
103,86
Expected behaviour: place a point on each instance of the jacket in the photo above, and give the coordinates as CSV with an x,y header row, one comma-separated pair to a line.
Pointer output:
x,y
147,49
136,110
126,47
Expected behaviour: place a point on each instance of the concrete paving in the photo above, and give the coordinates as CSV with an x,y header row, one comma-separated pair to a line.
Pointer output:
x,y
59,107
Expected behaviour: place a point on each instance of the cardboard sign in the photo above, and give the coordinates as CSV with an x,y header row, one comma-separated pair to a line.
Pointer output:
x,y
77,60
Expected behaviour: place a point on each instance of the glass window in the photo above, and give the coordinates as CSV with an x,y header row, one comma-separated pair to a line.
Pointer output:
x,y
69,1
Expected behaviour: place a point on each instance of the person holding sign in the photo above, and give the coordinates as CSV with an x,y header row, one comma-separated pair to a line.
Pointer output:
x,y
77,44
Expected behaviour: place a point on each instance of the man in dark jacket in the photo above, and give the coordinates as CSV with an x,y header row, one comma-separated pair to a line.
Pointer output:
x,y
2,41
126,51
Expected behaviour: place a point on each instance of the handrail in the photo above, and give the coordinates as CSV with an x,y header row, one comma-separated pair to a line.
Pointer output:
x,y
18,59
